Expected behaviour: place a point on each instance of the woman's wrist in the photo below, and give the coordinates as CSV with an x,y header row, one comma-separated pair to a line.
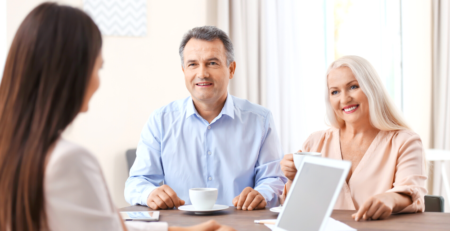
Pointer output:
x,y
289,183
401,201
288,186
175,228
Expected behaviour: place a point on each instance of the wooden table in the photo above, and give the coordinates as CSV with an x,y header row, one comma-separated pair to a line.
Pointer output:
x,y
244,220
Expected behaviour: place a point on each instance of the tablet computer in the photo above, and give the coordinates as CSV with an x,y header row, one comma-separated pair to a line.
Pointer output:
x,y
313,194
140,215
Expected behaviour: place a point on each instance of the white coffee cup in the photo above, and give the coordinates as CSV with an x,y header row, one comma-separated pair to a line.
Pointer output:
x,y
298,157
203,198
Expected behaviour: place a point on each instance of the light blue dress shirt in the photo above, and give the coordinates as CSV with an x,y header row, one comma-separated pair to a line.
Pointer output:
x,y
239,149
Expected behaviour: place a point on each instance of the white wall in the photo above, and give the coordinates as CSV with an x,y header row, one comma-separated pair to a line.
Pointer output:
x,y
417,51
3,49
139,75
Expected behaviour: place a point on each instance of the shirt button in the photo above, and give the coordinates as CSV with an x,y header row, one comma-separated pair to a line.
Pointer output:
x,y
210,178
209,127
209,152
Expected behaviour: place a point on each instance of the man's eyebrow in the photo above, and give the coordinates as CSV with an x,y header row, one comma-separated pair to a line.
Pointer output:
x,y
191,60
213,59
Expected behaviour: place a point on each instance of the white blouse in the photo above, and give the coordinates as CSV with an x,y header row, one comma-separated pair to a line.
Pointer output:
x,y
76,195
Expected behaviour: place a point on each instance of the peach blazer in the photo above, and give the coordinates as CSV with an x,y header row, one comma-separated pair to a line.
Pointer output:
x,y
394,162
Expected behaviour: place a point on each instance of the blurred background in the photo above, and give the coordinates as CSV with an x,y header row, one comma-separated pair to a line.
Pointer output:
x,y
282,50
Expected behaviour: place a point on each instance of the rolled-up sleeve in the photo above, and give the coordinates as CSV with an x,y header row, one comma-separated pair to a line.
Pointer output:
x,y
269,179
410,176
147,171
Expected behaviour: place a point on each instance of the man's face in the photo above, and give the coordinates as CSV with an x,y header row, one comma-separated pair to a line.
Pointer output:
x,y
205,70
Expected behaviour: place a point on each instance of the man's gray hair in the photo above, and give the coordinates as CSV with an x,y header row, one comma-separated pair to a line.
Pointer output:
x,y
208,33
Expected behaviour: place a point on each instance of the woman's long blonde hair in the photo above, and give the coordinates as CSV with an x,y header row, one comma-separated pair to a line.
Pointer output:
x,y
383,114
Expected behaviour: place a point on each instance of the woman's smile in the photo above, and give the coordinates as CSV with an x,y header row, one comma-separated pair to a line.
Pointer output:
x,y
350,109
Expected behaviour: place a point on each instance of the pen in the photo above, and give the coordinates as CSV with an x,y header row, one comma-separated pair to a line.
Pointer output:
x,y
264,222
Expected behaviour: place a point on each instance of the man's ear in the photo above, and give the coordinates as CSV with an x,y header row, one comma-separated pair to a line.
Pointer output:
x,y
182,68
232,69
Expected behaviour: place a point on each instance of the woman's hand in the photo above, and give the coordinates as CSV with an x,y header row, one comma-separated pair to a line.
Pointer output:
x,y
381,206
377,207
210,225
288,166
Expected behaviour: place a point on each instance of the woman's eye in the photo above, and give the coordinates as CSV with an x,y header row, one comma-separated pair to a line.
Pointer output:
x,y
354,87
334,92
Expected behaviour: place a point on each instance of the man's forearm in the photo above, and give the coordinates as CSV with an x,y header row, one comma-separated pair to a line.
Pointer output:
x,y
137,191
271,188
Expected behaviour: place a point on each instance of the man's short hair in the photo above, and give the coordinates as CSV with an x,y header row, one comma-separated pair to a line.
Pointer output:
x,y
208,33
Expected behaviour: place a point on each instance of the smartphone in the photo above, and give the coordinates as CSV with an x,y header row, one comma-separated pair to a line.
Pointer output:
x,y
140,215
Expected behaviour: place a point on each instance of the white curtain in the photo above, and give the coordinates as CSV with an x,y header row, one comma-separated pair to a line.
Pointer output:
x,y
242,22
281,55
441,86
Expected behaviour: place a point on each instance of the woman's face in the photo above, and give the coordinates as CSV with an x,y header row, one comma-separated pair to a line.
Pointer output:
x,y
346,97
94,83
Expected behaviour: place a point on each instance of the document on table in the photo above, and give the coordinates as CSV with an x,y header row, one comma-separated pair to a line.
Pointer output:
x,y
332,225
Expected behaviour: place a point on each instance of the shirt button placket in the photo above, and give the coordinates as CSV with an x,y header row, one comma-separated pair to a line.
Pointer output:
x,y
209,154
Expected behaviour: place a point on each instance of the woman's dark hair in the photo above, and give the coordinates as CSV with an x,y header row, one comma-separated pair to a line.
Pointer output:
x,y
46,75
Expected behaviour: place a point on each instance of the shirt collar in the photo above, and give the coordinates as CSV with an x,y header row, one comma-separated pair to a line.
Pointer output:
x,y
228,108
190,108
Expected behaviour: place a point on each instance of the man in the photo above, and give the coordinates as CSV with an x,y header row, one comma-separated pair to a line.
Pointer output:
x,y
208,140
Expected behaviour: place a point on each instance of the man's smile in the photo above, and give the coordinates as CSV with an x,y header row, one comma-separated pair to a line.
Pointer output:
x,y
204,84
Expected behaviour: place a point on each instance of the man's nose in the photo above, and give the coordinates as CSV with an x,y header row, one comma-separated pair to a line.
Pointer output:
x,y
203,71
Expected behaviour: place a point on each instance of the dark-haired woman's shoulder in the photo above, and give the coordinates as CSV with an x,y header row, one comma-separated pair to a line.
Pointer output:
x,y
76,194
66,150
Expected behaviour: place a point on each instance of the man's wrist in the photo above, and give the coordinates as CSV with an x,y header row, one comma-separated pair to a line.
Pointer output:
x,y
146,194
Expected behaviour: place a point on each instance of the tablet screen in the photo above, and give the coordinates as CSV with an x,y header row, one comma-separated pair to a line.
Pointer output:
x,y
141,215
310,197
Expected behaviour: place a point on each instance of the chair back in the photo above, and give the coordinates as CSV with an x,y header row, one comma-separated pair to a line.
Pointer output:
x,y
434,203
131,156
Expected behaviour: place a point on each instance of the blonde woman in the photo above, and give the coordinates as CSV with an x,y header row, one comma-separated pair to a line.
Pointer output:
x,y
388,163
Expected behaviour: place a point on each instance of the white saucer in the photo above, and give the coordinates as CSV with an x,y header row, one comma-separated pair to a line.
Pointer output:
x,y
190,208
276,209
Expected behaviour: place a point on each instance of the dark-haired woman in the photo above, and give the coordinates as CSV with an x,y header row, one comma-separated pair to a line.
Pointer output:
x,y
47,183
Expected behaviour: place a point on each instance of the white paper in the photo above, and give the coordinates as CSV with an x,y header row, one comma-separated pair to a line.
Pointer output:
x,y
332,225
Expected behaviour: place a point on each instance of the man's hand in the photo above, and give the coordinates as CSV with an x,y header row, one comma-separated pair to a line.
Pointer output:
x,y
210,225
164,197
249,199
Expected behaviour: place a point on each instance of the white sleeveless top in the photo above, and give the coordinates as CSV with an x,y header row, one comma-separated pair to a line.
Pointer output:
x,y
76,195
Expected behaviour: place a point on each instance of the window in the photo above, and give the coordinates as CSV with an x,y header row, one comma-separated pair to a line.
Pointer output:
x,y
372,30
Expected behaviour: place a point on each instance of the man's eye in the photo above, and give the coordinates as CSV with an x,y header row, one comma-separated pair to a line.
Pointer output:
x,y
213,63
334,92
191,64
